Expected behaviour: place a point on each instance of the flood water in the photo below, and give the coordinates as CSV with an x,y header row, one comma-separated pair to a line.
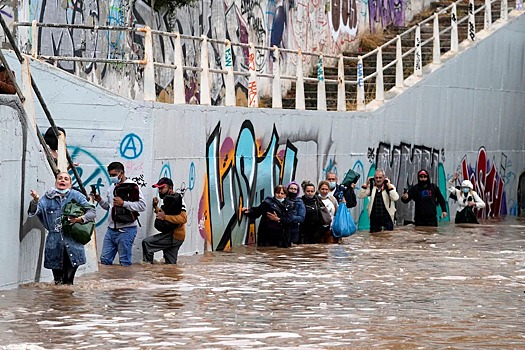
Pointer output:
x,y
445,288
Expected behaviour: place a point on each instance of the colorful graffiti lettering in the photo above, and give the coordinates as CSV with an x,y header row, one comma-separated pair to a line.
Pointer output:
x,y
240,174
488,183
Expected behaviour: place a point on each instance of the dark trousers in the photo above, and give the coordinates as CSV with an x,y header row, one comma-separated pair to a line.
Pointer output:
x,y
161,241
426,221
66,275
377,225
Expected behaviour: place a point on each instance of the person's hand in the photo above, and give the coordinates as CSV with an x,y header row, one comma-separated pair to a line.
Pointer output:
x,y
155,202
444,214
118,202
35,195
245,210
273,217
405,196
471,204
161,215
455,177
352,185
74,220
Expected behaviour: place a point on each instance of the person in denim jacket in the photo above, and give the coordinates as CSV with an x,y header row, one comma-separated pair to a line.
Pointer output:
x,y
63,255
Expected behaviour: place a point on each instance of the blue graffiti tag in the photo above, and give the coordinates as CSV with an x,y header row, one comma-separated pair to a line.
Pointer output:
x,y
131,146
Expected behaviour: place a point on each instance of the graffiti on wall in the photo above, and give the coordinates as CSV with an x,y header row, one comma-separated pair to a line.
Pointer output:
x,y
488,182
240,173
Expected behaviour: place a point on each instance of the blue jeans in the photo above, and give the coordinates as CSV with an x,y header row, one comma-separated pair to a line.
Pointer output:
x,y
121,241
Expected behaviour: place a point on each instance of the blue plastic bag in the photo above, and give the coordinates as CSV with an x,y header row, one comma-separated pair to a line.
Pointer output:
x,y
343,225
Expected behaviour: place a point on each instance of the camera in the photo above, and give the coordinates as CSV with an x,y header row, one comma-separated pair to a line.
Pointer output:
x,y
93,189
372,182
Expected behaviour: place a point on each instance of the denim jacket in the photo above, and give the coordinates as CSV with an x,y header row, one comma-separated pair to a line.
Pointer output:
x,y
49,212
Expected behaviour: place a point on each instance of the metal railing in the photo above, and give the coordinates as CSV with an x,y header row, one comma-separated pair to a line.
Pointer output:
x,y
353,84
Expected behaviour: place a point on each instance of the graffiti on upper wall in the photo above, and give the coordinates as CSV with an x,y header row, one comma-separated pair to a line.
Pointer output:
x,y
292,24
488,182
240,173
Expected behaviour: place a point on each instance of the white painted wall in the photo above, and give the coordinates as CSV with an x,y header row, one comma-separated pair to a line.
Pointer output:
x,y
464,111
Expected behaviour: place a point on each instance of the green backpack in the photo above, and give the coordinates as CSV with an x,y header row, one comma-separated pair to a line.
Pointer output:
x,y
80,232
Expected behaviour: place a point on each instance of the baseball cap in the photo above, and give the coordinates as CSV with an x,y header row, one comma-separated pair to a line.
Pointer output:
x,y
162,182
422,172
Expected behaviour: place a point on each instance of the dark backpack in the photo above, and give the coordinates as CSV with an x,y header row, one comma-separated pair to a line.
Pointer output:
x,y
129,192
172,206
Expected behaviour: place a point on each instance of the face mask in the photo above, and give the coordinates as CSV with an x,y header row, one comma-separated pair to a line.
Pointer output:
x,y
64,191
465,189
162,195
310,196
292,195
114,179
332,185
280,199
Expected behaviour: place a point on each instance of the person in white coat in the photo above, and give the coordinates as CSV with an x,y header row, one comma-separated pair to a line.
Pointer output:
x,y
467,200
381,208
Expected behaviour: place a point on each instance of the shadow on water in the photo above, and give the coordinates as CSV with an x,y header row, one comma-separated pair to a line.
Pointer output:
x,y
447,287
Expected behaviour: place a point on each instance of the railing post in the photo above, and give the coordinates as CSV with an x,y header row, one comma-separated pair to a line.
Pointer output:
x,y
62,163
380,87
277,100
471,21
360,85
454,30
230,79
149,69
34,39
488,15
418,69
27,90
253,94
299,83
504,13
436,58
341,93
321,88
400,80
205,73
179,91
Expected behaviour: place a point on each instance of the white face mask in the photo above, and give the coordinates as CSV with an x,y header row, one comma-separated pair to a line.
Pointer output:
x,y
64,191
280,199
114,179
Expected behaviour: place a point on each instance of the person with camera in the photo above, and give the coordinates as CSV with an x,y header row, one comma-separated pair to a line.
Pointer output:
x,y
123,219
170,220
467,200
381,209
426,197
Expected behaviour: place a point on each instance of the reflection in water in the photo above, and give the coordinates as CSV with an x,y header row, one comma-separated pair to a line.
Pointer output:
x,y
458,287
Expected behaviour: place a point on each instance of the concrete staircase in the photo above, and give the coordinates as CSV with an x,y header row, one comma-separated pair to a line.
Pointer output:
x,y
389,55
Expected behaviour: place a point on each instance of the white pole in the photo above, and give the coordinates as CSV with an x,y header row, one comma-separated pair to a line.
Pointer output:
x,y
436,58
471,21
504,14
454,30
179,92
488,15
149,69
400,80
253,95
230,79
380,87
205,73
360,85
34,39
341,93
418,69
321,88
277,100
299,84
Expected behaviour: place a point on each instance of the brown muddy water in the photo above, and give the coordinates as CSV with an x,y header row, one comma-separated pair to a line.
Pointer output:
x,y
445,288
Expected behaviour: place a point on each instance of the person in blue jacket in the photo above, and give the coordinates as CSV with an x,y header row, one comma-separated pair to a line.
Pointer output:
x,y
63,255
297,212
